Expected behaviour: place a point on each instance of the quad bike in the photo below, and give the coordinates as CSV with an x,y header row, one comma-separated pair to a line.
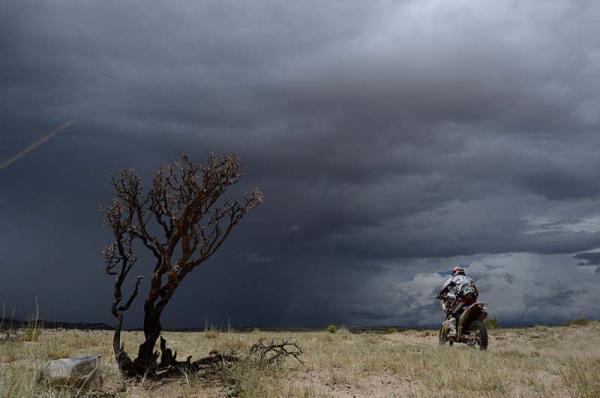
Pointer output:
x,y
471,329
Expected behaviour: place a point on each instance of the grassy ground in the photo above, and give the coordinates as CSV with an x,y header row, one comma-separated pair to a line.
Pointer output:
x,y
532,362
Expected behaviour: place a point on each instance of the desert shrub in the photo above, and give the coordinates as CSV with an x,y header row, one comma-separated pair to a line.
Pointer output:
x,y
578,322
391,330
491,323
331,328
211,334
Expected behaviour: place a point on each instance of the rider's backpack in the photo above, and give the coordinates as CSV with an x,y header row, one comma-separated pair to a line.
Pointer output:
x,y
469,291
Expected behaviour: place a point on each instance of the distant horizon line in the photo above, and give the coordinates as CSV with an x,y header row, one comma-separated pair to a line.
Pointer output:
x,y
6,324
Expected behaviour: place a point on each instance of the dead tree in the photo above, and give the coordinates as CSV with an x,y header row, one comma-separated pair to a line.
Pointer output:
x,y
182,220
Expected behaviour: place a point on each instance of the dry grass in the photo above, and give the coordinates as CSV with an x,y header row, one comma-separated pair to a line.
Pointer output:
x,y
533,362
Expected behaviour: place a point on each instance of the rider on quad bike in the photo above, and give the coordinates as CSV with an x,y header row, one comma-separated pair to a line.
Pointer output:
x,y
458,292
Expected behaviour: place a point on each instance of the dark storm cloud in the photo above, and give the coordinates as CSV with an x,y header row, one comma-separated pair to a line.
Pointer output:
x,y
386,135
588,259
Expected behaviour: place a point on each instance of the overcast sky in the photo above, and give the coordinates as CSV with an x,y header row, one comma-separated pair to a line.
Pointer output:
x,y
392,141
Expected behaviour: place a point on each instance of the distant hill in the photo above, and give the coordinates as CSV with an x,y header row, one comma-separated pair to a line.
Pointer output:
x,y
18,323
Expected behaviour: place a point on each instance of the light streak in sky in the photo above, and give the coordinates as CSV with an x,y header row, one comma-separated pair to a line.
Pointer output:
x,y
6,163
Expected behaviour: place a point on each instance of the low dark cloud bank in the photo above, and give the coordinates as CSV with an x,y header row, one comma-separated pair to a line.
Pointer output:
x,y
392,139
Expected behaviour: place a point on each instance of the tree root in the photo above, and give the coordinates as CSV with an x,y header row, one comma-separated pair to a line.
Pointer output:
x,y
214,363
211,365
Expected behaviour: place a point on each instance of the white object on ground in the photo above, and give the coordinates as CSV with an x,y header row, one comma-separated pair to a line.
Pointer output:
x,y
80,372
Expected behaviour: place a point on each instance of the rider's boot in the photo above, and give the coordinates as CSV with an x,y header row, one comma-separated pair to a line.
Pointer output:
x,y
452,332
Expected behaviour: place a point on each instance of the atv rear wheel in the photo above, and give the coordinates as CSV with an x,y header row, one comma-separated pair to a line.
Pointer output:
x,y
480,335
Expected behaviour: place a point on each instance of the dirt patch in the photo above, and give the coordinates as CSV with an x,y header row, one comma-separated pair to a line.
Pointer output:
x,y
336,384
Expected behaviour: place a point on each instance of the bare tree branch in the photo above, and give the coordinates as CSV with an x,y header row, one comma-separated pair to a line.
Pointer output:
x,y
134,294
275,352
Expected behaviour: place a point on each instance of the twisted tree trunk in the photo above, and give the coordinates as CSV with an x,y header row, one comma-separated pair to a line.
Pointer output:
x,y
152,328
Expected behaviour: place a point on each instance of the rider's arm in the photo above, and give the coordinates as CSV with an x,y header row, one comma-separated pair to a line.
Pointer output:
x,y
444,288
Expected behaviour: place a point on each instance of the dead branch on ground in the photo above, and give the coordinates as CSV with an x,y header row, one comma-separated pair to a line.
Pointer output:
x,y
276,352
